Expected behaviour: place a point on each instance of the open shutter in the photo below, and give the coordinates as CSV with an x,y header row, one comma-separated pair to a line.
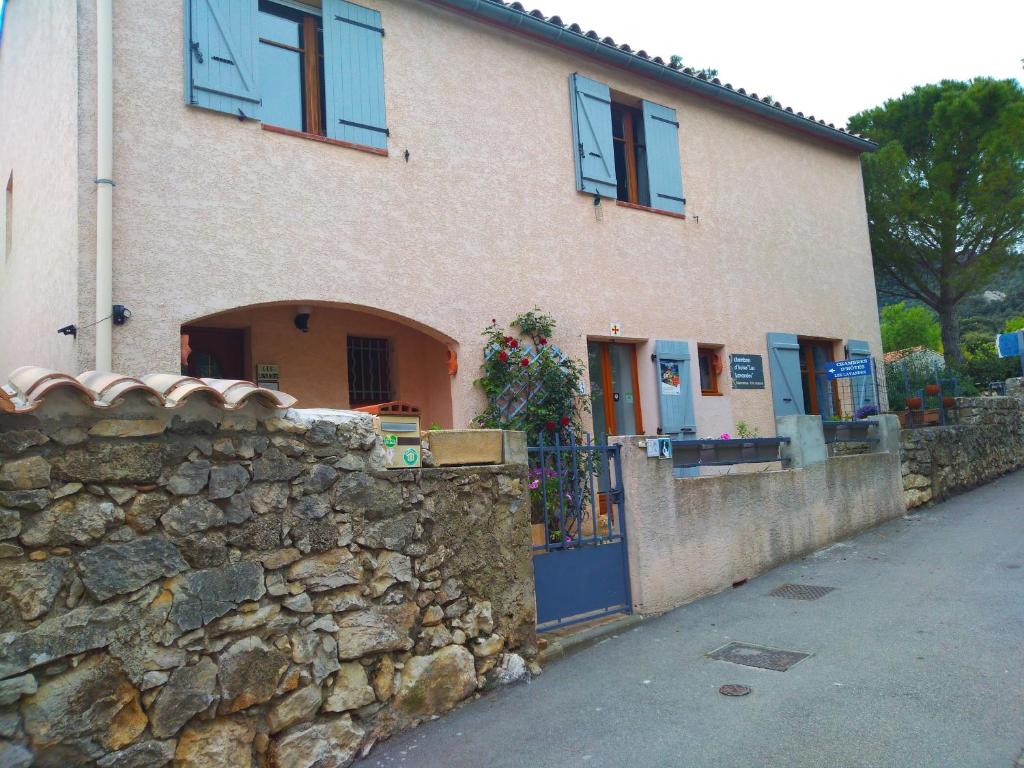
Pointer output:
x,y
862,387
354,74
592,136
784,364
220,59
675,388
664,173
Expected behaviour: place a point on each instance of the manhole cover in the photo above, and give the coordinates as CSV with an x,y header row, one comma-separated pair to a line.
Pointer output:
x,y
800,591
758,656
734,689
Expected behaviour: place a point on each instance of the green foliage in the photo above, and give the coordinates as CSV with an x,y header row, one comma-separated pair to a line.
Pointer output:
x,y
745,430
515,372
905,326
676,62
1013,324
945,192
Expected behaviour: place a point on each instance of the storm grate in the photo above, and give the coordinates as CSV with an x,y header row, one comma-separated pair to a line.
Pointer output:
x,y
800,591
758,656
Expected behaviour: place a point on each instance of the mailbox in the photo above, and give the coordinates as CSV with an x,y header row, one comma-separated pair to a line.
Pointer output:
x,y
399,426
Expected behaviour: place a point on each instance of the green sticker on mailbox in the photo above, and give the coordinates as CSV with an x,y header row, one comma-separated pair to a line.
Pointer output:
x,y
390,441
410,456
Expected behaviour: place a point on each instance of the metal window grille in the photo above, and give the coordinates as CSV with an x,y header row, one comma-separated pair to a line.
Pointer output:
x,y
369,371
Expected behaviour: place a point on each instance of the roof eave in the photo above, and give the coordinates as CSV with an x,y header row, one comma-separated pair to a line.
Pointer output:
x,y
534,26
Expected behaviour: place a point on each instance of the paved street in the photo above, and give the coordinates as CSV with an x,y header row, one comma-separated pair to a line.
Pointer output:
x,y
918,660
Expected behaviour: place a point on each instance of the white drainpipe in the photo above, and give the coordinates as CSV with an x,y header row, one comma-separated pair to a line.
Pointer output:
x,y
104,181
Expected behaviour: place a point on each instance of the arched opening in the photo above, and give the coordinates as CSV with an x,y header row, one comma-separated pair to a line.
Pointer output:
x,y
326,355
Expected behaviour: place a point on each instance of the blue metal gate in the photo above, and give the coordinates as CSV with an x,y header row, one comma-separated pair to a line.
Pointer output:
x,y
580,564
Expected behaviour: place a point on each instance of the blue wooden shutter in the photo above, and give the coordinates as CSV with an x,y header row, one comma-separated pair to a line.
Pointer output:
x,y
677,414
863,387
592,136
220,57
354,74
664,173
784,365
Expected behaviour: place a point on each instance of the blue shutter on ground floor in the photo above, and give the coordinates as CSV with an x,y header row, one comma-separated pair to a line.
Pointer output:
x,y
862,387
354,74
675,389
664,173
784,367
592,136
220,70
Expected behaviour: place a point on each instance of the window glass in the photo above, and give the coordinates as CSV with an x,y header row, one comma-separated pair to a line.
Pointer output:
x,y
280,30
369,371
281,71
705,373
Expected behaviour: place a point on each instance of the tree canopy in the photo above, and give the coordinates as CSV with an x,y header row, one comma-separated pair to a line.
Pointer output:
x,y
905,326
945,193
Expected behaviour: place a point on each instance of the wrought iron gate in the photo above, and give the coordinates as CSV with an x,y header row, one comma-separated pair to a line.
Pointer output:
x,y
580,564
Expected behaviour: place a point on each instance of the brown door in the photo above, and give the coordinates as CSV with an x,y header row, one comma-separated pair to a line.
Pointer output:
x,y
214,353
821,396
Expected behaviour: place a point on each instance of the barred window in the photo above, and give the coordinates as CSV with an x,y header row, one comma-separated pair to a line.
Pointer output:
x,y
369,371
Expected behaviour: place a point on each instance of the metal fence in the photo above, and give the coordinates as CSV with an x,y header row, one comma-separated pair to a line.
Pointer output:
x,y
921,391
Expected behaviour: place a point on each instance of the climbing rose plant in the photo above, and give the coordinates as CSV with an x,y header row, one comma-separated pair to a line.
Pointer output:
x,y
521,367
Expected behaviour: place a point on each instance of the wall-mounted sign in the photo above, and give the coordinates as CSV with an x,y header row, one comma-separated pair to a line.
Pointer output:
x,y
848,369
268,375
615,329
747,371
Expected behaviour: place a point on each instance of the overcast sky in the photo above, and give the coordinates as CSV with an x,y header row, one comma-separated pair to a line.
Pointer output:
x,y
830,59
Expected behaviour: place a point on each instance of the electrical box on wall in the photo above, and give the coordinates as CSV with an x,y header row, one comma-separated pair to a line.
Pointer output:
x,y
659,447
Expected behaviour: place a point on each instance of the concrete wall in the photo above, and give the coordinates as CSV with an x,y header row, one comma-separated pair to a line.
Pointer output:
x,y
483,221
691,537
39,146
236,588
985,442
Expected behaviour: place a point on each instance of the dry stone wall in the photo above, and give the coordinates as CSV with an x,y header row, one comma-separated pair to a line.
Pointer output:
x,y
244,589
985,441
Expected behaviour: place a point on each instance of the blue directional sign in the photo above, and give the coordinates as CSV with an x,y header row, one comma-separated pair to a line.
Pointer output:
x,y
1010,344
847,369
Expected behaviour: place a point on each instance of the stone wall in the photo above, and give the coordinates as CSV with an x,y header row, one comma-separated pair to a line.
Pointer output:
x,y
985,441
225,588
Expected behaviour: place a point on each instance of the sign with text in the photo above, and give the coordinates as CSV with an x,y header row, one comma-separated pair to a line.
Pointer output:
x,y
747,371
1010,344
848,369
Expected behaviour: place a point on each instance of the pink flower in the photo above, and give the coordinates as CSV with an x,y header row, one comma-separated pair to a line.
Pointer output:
x,y
535,485
725,436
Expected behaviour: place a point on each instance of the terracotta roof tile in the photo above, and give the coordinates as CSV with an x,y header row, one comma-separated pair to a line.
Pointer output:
x,y
28,387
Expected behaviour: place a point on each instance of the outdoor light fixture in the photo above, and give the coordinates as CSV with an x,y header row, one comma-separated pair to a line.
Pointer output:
x,y
69,330
302,318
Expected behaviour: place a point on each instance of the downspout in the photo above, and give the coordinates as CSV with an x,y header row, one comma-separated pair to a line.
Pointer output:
x,y
104,182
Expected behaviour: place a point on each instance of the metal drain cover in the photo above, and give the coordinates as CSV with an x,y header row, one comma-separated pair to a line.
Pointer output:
x,y
734,689
800,591
758,656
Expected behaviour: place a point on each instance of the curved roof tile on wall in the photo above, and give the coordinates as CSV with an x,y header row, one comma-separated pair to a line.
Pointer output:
x,y
687,77
28,387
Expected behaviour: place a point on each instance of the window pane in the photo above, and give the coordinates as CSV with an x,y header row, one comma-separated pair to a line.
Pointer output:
x,y
705,372
369,371
280,30
281,83
621,172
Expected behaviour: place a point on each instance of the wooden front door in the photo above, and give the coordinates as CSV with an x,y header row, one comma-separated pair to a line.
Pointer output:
x,y
821,396
614,390
214,353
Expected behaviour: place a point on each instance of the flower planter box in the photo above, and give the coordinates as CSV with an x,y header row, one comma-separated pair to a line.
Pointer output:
x,y
930,416
688,455
722,452
462,447
756,450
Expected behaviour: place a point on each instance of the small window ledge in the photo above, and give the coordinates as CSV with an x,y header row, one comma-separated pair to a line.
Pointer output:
x,y
636,207
325,140
712,394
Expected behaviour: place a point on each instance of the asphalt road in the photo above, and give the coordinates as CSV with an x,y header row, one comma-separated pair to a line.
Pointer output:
x,y
917,660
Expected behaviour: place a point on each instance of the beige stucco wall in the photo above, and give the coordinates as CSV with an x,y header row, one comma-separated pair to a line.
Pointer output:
x,y
483,221
38,144
691,537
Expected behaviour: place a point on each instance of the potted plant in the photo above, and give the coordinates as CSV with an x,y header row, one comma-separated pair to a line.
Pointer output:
x,y
915,403
931,389
948,402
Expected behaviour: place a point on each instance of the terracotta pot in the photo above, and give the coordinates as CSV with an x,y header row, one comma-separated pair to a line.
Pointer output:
x,y
931,389
914,403
949,402
904,418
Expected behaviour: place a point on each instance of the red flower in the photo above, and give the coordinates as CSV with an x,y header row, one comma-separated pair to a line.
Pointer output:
x,y
565,421
503,356
543,341
508,339
524,362
551,426
494,320
513,343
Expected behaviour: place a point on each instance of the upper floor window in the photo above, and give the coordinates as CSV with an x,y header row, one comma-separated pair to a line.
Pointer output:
x,y
291,68
273,61
624,151
710,362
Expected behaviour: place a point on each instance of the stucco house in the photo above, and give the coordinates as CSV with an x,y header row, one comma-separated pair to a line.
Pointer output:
x,y
339,197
